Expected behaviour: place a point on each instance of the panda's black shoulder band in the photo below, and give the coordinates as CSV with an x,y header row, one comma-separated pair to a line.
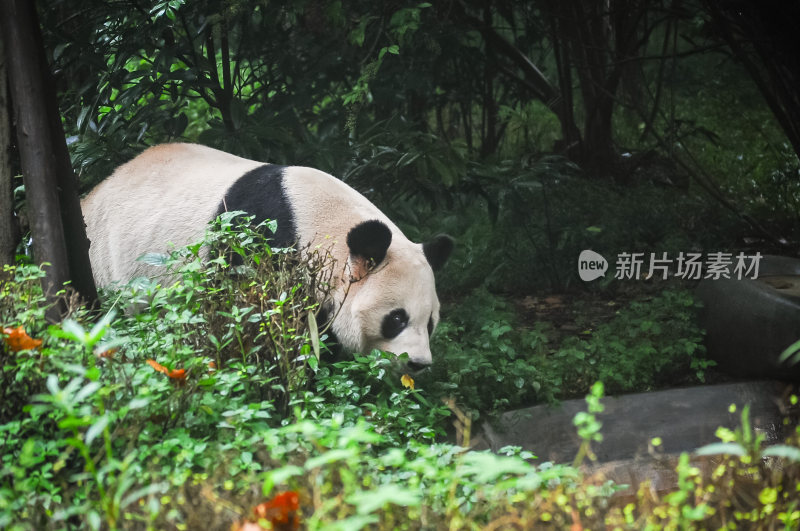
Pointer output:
x,y
260,193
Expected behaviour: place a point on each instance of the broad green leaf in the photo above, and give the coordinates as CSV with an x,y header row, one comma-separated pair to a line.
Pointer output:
x,y
96,429
782,450
330,456
367,501
730,448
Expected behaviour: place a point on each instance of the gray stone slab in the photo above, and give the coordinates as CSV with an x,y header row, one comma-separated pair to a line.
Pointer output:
x,y
749,323
685,419
772,265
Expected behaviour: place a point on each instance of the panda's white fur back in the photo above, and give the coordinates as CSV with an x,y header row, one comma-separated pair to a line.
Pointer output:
x,y
325,209
166,196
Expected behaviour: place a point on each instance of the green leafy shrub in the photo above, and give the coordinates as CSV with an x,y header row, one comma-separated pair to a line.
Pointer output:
x,y
22,305
648,344
106,444
231,300
520,225
85,416
491,361
95,438
406,162
485,358
100,418
372,386
749,486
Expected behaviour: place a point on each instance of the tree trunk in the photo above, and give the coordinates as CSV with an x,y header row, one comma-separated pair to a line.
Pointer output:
x,y
591,46
80,267
39,152
490,138
599,154
571,140
600,39
8,226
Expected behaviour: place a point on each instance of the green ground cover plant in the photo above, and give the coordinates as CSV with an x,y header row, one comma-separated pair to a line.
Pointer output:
x,y
174,417
492,360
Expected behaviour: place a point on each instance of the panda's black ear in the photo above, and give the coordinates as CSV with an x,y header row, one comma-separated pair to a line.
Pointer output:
x,y
438,250
368,243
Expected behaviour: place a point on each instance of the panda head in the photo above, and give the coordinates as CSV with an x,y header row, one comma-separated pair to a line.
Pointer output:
x,y
389,295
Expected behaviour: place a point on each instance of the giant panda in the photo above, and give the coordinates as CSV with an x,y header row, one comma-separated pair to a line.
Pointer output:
x,y
384,297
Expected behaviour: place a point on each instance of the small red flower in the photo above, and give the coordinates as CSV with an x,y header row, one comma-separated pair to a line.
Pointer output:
x,y
177,374
281,513
107,354
18,340
174,374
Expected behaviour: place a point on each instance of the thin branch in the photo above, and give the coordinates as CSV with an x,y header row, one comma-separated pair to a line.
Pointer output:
x,y
501,45
648,124
707,183
226,62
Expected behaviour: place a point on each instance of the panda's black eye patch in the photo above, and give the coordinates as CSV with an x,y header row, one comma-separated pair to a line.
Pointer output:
x,y
393,323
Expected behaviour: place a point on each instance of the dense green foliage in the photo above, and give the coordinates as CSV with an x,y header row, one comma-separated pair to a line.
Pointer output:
x,y
494,362
421,107
95,389
96,436
430,100
418,106
527,130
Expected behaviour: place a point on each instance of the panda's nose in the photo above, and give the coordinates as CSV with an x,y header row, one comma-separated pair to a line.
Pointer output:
x,y
414,366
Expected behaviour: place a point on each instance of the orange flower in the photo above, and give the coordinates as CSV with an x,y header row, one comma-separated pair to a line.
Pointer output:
x,y
174,374
280,511
407,381
108,354
18,340
576,521
212,366
177,374
157,366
